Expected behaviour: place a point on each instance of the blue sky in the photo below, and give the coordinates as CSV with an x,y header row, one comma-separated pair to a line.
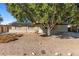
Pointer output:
x,y
7,17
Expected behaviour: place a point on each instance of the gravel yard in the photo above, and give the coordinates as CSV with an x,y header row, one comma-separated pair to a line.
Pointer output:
x,y
32,44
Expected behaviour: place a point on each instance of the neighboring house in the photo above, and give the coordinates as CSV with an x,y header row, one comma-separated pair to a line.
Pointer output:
x,y
16,27
24,27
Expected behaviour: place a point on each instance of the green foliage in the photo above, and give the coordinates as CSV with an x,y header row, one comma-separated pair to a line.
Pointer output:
x,y
45,13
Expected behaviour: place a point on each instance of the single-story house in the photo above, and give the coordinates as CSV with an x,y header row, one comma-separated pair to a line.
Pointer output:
x,y
23,27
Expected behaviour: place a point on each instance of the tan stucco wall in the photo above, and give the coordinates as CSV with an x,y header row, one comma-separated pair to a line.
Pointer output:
x,y
17,29
59,28
26,29
34,29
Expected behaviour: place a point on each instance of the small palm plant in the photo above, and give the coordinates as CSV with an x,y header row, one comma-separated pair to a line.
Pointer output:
x,y
1,19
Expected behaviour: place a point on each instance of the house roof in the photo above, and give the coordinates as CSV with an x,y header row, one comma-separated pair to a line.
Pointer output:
x,y
19,24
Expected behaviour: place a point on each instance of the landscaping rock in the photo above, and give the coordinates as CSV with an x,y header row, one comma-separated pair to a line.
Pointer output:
x,y
69,54
43,51
57,54
33,53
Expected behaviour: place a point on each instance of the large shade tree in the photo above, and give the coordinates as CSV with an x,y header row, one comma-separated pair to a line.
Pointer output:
x,y
48,14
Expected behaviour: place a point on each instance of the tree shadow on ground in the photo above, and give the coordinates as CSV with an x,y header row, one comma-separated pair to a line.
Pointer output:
x,y
44,35
66,35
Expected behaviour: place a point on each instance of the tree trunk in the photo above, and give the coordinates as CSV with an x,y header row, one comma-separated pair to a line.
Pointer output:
x,y
48,31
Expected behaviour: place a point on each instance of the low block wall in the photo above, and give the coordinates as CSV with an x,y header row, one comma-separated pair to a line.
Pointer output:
x,y
17,29
59,28
34,29
25,29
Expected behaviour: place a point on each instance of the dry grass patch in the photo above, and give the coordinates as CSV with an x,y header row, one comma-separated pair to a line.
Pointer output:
x,y
9,37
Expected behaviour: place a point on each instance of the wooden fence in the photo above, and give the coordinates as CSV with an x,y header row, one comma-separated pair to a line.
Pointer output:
x,y
4,28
